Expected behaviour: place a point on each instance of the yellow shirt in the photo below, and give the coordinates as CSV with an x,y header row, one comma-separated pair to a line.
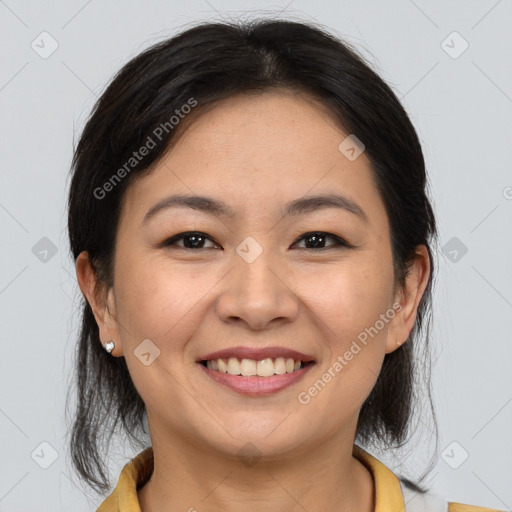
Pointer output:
x,y
390,494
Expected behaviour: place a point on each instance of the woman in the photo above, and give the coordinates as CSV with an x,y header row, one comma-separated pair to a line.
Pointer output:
x,y
252,235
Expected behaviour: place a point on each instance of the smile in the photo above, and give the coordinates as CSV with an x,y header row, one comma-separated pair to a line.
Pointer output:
x,y
256,385
249,367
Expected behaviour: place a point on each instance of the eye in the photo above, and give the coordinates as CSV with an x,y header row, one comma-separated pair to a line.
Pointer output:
x,y
316,240
191,240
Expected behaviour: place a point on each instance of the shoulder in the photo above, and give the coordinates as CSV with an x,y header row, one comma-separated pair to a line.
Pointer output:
x,y
416,500
462,507
124,498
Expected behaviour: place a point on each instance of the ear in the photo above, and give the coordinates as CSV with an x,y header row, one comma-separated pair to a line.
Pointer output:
x,y
101,301
407,300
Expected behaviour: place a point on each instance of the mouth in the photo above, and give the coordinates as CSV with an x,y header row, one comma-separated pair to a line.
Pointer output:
x,y
255,378
256,371
264,368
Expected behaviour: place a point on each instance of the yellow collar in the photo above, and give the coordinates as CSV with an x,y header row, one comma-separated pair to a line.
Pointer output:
x,y
388,492
137,472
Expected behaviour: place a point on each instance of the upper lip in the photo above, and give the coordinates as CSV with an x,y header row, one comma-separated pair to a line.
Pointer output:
x,y
258,354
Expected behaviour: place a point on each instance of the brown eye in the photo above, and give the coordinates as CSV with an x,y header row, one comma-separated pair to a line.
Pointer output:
x,y
191,240
316,240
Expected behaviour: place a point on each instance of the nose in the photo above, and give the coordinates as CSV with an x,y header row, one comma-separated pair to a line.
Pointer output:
x,y
257,294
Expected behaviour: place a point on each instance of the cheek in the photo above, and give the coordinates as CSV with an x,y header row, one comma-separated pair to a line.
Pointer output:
x,y
349,298
347,310
160,301
161,304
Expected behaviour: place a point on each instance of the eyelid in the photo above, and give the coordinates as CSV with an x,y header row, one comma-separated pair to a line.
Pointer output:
x,y
339,241
169,242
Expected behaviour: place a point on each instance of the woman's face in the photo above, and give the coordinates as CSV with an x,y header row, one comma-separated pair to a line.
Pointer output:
x,y
254,280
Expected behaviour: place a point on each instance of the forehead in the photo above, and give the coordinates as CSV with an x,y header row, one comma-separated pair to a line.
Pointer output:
x,y
258,149
256,127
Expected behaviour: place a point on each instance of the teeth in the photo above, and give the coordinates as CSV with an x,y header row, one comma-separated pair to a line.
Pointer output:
x,y
233,366
223,367
280,365
265,368
248,367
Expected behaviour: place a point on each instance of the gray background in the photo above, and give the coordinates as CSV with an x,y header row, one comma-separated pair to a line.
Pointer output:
x,y
460,103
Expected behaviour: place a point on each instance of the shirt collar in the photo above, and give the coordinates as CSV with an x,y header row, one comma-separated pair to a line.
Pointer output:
x,y
388,493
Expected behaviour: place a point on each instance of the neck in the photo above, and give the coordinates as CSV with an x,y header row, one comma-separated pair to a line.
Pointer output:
x,y
323,478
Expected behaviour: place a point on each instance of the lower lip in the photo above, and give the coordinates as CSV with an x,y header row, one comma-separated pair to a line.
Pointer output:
x,y
254,385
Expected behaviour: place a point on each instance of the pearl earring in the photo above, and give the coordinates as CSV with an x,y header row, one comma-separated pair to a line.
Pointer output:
x,y
109,346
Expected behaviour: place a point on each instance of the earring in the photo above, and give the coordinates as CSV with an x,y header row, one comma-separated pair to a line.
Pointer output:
x,y
109,346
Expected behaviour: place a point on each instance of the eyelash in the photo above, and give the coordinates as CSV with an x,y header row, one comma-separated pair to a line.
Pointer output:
x,y
339,242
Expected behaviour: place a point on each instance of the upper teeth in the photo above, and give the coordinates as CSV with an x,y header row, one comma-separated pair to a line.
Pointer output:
x,y
247,367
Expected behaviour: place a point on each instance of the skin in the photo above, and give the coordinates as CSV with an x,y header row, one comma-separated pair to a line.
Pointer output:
x,y
255,152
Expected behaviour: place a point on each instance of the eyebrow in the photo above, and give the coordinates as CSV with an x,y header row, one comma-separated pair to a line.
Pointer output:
x,y
296,207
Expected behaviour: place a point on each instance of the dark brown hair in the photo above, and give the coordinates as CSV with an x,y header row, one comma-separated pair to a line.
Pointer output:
x,y
211,62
